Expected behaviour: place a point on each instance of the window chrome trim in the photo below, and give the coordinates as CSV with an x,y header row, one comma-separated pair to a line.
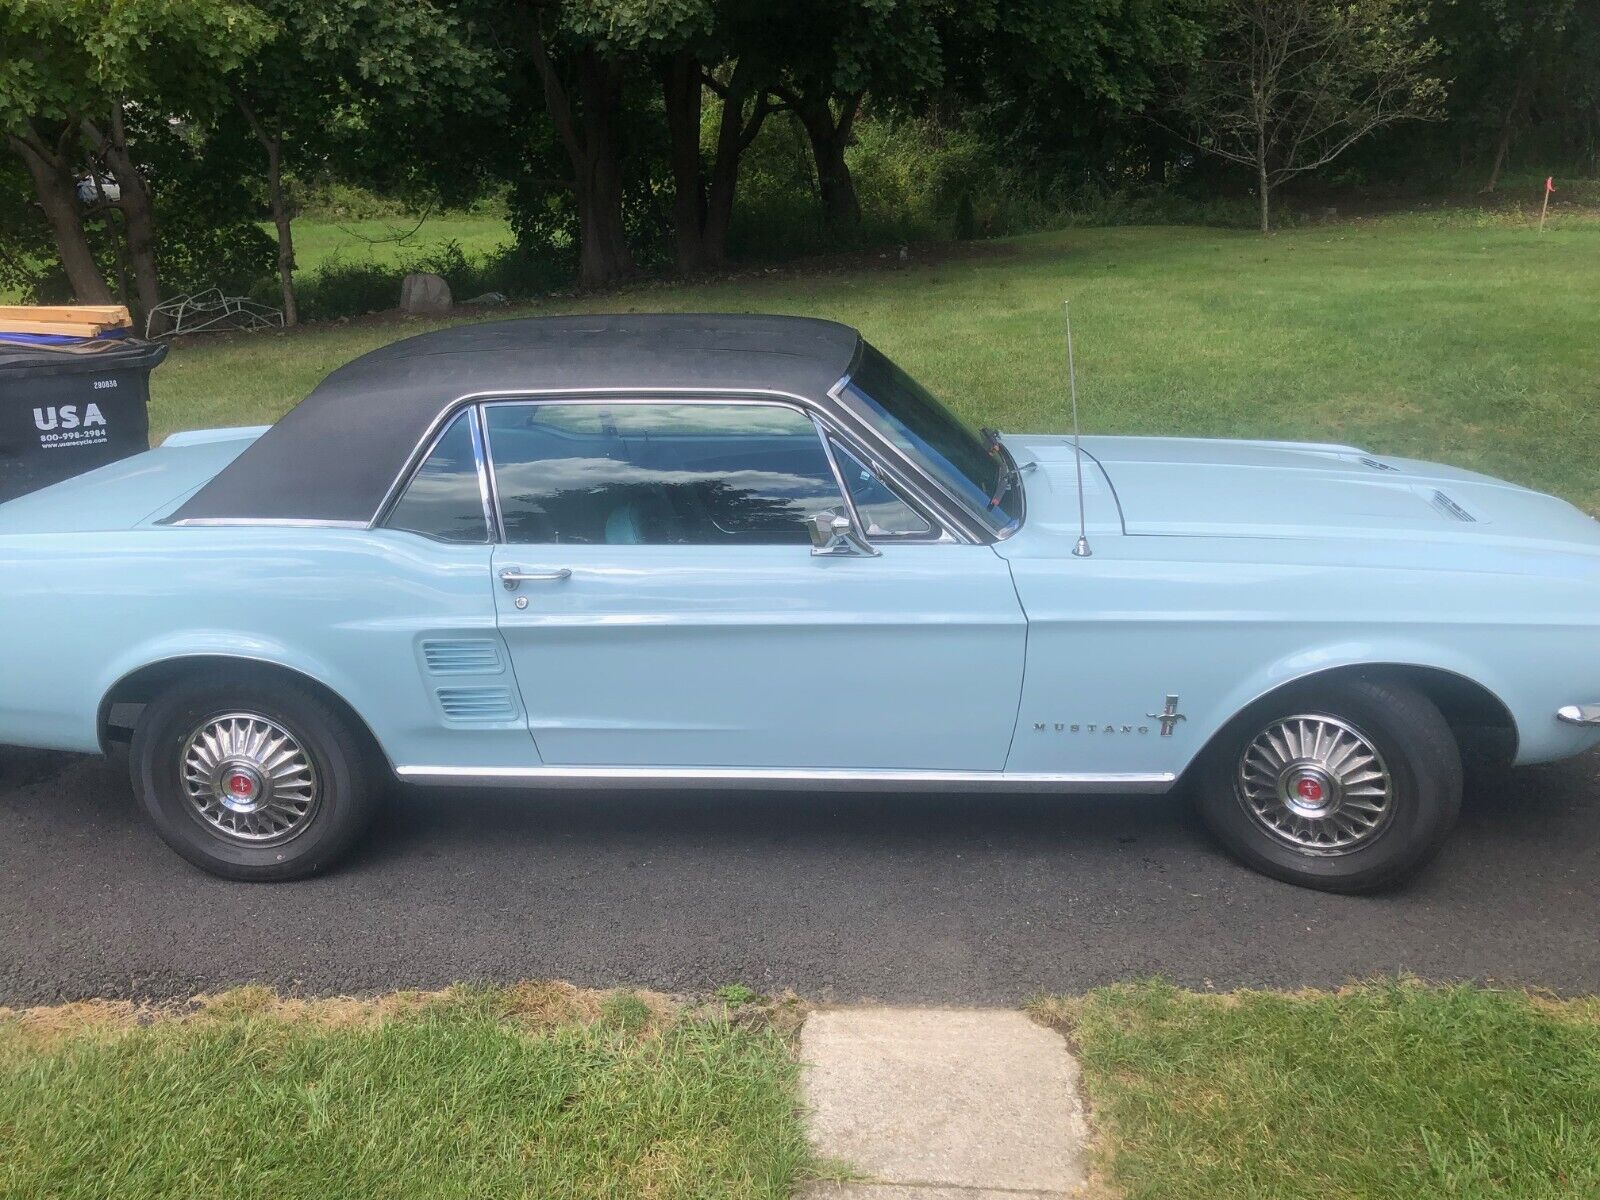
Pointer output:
x,y
909,480
473,417
263,523
491,521
785,778
821,421
970,522
497,525
845,497
935,532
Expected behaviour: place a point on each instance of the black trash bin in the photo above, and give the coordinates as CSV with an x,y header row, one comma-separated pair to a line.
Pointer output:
x,y
67,409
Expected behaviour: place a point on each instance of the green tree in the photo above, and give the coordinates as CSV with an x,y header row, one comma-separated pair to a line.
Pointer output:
x,y
1502,55
835,53
734,56
333,69
69,72
582,55
1286,86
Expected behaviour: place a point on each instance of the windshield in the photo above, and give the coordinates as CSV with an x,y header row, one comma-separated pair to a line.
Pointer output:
x,y
978,470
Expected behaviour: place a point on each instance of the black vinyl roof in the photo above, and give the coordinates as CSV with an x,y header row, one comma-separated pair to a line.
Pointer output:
x,y
335,456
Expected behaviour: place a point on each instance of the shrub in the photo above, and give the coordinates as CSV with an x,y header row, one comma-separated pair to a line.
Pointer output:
x,y
350,288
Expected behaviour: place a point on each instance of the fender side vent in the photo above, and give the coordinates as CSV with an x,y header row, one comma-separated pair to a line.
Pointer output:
x,y
477,704
1376,465
461,658
1451,509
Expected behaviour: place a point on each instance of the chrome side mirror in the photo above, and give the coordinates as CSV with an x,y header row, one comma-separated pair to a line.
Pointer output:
x,y
834,536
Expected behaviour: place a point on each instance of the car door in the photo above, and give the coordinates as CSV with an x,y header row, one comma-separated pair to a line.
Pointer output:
x,y
663,608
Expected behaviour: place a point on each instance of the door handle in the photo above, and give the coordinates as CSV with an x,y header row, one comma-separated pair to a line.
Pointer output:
x,y
512,577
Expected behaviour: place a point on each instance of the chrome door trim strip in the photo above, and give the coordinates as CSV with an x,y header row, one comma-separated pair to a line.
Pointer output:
x,y
264,522
787,779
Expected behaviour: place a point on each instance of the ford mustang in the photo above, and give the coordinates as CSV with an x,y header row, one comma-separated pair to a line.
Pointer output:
x,y
752,552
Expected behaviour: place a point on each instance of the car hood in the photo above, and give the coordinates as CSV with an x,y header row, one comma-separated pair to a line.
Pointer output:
x,y
135,491
1212,488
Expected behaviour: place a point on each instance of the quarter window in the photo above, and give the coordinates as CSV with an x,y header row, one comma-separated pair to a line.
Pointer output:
x,y
444,499
882,512
658,474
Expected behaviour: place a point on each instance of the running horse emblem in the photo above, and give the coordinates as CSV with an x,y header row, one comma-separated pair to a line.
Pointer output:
x,y
1168,716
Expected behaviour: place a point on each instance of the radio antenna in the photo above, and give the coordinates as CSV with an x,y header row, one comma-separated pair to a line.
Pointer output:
x,y
1081,550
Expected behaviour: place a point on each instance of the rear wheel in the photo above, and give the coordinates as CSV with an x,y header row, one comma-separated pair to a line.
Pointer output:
x,y
1344,786
261,780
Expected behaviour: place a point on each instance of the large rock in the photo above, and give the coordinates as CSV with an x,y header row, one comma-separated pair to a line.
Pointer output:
x,y
422,294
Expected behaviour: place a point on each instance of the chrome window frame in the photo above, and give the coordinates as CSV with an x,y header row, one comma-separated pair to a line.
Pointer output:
x,y
950,523
977,528
689,398
935,532
476,435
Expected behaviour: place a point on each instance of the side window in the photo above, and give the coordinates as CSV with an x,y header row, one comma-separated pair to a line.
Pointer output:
x,y
658,474
883,512
443,500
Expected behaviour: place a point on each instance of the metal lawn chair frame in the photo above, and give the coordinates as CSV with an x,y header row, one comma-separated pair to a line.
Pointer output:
x,y
210,310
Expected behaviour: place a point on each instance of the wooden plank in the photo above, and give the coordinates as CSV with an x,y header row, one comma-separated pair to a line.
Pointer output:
x,y
69,328
93,314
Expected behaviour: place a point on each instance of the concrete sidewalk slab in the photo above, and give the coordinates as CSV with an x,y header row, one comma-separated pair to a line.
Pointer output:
x,y
943,1099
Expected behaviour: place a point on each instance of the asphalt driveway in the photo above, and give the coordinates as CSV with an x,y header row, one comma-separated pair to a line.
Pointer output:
x,y
954,899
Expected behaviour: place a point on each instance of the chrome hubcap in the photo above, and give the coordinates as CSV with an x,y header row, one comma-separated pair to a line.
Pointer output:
x,y
1316,785
249,779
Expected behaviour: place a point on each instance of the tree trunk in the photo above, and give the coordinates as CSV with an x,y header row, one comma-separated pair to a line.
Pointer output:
x,y
281,218
1508,127
138,217
1262,185
591,146
680,90
734,135
53,184
603,257
829,136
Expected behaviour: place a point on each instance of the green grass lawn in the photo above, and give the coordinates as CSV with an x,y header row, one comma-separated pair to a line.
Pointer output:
x,y
1383,1091
529,1091
390,241
1380,1092
1468,339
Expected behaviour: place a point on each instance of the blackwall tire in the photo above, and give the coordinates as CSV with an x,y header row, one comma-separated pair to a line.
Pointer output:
x,y
1350,785
257,781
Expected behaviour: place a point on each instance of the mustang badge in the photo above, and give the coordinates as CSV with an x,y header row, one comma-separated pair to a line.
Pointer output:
x,y
1168,717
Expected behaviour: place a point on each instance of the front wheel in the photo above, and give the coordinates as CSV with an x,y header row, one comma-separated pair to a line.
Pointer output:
x,y
253,781
1347,786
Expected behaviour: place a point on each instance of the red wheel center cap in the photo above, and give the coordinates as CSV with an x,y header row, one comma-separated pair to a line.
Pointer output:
x,y
241,785
1310,790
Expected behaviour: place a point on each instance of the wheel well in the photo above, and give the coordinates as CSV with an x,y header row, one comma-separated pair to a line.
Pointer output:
x,y
1466,705
120,709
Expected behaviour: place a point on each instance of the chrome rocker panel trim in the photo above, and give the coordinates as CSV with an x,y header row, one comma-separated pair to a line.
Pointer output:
x,y
1579,714
785,779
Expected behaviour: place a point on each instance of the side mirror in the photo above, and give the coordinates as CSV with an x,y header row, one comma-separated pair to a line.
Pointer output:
x,y
834,536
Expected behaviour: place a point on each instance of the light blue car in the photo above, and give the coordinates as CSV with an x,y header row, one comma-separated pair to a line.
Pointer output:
x,y
751,552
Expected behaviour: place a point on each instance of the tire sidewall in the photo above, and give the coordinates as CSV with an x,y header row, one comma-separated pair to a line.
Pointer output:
x,y
156,765
1424,767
